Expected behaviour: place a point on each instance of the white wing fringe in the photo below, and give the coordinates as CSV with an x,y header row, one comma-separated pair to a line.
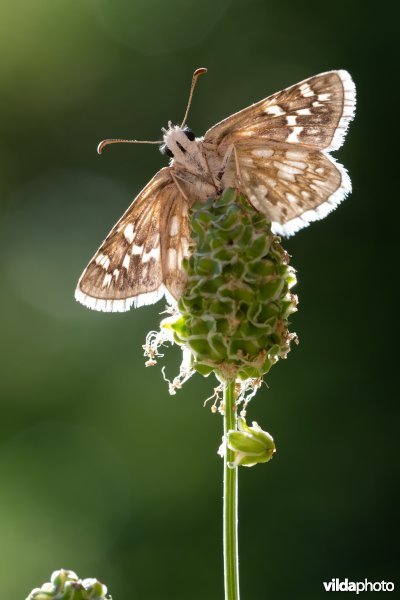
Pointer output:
x,y
349,105
124,305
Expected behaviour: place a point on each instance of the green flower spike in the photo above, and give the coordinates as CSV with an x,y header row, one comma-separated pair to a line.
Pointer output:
x,y
233,316
65,585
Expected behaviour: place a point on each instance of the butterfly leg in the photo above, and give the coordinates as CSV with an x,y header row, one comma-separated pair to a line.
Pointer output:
x,y
213,182
238,174
175,179
225,161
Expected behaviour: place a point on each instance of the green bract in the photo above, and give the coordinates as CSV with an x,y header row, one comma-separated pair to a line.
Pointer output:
x,y
250,445
234,312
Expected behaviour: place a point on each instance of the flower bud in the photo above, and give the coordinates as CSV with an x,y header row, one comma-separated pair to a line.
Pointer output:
x,y
65,585
250,445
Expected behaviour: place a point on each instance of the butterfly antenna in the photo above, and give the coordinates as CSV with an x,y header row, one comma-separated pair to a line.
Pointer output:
x,y
105,143
193,85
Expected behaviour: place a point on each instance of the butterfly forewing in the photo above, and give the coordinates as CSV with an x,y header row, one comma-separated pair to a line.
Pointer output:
x,y
132,265
314,113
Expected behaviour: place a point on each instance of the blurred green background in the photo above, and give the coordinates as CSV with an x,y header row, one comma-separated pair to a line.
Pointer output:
x,y
100,470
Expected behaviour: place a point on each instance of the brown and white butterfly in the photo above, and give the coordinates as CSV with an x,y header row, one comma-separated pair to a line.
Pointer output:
x,y
276,152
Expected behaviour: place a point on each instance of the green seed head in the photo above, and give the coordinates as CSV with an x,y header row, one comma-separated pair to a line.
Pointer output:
x,y
233,315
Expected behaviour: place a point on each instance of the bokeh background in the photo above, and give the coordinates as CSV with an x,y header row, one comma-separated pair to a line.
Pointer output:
x,y
100,470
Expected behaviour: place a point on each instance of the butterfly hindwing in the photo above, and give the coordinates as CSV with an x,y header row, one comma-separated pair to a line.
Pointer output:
x,y
290,185
175,244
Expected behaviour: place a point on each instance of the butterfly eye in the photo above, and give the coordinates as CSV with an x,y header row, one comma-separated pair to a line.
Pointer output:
x,y
189,134
165,150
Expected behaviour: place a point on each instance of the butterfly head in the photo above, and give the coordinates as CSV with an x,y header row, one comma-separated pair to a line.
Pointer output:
x,y
178,141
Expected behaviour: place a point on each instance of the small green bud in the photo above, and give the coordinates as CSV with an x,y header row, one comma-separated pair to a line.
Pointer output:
x,y
250,445
65,585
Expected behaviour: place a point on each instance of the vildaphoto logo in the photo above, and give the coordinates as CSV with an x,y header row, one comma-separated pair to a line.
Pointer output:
x,y
344,585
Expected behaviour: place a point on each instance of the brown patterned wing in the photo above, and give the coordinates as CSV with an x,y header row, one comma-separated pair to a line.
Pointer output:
x,y
315,113
140,260
291,185
175,244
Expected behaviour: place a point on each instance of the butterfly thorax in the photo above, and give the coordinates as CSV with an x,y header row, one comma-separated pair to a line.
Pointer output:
x,y
190,162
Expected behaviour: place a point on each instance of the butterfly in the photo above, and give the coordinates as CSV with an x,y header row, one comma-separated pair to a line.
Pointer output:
x,y
276,152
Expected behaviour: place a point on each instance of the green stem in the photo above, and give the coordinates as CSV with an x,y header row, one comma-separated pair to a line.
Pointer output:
x,y
231,556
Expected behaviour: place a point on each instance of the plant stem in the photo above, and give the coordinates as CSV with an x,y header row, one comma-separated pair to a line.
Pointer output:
x,y
231,556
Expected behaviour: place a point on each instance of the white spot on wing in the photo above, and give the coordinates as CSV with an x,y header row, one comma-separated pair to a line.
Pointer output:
x,y
174,226
297,164
153,253
126,261
102,260
288,167
306,90
286,175
171,258
274,111
136,250
290,197
271,183
129,234
294,135
246,160
261,190
107,280
295,155
263,153
291,119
